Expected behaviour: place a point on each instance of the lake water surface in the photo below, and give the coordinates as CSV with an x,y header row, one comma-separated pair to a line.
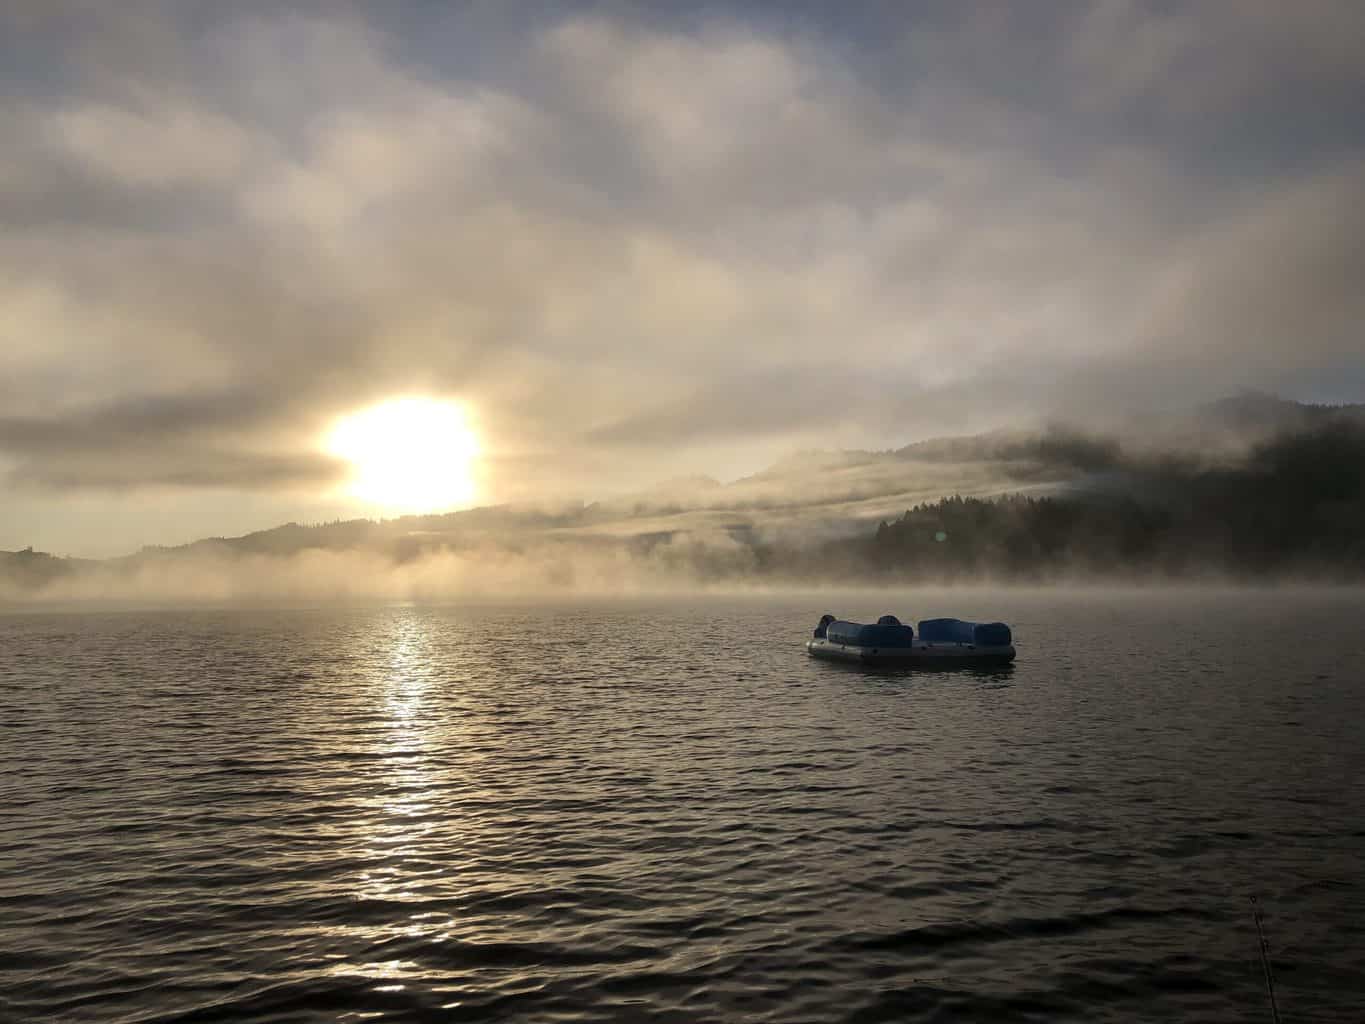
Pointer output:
x,y
665,811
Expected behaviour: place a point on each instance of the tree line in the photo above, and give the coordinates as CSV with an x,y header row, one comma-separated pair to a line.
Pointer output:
x,y
1296,505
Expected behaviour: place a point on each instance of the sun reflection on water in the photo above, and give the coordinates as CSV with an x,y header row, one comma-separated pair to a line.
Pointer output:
x,y
403,840
406,749
417,845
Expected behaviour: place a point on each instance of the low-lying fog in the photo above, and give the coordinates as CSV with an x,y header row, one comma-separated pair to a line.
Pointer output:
x,y
1055,507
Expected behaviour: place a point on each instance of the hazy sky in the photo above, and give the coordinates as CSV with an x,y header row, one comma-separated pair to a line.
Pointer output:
x,y
639,245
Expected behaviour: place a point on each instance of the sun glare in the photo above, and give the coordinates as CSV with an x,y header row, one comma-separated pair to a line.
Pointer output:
x,y
408,455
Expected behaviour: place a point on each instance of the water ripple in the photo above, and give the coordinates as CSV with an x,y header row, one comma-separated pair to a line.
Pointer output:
x,y
666,812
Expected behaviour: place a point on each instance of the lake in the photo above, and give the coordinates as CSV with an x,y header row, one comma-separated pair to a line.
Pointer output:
x,y
663,810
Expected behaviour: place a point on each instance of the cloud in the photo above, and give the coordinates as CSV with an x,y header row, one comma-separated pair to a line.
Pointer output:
x,y
1272,285
156,146
1208,59
642,245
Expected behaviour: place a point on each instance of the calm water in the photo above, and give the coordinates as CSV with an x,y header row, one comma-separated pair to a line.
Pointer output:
x,y
668,812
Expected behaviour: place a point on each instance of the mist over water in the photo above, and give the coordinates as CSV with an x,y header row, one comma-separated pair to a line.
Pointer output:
x,y
663,810
1280,499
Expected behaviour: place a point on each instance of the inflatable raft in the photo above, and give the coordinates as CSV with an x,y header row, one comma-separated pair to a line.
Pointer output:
x,y
938,642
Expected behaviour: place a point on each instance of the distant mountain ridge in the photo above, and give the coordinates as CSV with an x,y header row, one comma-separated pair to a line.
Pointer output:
x,y
799,503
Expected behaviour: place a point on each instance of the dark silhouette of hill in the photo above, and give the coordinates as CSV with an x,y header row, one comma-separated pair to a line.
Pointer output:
x,y
1296,505
31,569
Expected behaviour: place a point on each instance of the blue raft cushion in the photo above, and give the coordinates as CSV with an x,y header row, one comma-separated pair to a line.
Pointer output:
x,y
883,634
959,631
947,631
993,634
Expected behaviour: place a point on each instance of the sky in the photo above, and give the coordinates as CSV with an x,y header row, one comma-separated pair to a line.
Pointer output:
x,y
637,243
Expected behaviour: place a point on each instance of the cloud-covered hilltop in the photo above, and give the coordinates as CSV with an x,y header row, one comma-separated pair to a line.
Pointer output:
x,y
1250,488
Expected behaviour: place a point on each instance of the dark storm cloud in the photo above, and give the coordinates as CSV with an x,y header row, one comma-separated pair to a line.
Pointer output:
x,y
164,441
126,422
642,242
167,465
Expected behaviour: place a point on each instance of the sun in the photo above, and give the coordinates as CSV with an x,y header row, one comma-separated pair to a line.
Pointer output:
x,y
408,454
